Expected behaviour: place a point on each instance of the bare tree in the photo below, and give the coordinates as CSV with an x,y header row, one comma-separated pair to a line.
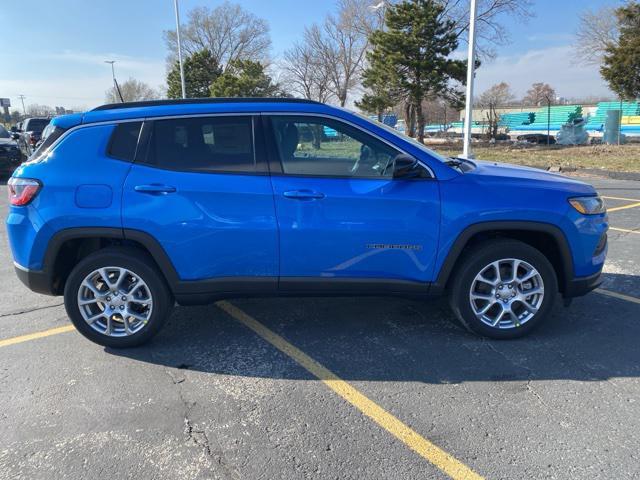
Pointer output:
x,y
491,100
228,31
341,43
489,31
539,93
132,91
598,31
37,110
305,73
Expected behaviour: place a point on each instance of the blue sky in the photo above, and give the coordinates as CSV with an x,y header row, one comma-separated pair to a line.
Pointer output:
x,y
54,53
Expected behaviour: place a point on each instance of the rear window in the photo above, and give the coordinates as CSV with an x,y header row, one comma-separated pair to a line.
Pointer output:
x,y
124,141
44,147
37,124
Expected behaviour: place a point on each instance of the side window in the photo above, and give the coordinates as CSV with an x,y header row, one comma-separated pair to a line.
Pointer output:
x,y
124,141
326,147
203,144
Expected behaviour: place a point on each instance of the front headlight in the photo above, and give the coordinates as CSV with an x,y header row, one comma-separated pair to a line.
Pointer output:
x,y
588,205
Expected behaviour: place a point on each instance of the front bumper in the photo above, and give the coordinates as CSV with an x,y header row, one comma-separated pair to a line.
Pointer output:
x,y
36,280
580,286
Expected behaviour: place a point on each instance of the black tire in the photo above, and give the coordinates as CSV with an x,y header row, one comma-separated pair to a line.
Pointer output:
x,y
136,261
475,260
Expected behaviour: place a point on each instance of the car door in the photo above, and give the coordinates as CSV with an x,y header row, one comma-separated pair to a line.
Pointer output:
x,y
341,214
201,188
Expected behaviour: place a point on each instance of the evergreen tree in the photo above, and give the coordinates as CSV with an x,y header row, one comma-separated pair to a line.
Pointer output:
x,y
245,78
411,58
621,68
200,71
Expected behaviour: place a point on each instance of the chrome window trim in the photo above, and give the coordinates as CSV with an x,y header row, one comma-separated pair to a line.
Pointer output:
x,y
239,114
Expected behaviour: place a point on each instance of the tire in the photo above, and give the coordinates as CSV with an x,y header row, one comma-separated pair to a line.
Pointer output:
x,y
478,269
135,314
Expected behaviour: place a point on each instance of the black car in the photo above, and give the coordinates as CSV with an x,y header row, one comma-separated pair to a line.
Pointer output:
x,y
30,134
9,152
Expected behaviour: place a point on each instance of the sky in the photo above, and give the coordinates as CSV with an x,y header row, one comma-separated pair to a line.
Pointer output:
x,y
54,54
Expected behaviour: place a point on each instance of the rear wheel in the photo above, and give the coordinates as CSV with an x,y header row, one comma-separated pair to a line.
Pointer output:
x,y
116,297
503,289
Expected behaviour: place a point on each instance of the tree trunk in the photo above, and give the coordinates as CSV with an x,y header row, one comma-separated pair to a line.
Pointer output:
x,y
420,121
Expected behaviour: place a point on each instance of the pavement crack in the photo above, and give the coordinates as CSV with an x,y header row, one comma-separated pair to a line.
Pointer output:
x,y
198,436
29,310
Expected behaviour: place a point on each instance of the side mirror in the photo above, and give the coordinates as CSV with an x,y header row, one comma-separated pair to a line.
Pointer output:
x,y
405,166
14,129
15,136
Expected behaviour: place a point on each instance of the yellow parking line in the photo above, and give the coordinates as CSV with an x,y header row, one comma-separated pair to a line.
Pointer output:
x,y
623,199
620,296
423,447
36,335
615,209
625,230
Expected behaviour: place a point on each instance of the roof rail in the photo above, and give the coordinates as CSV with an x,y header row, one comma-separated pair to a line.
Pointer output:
x,y
187,101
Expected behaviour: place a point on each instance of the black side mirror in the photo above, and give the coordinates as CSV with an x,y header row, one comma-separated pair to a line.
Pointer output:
x,y
14,129
15,136
405,166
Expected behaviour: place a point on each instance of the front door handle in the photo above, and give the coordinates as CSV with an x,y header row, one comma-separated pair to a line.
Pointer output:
x,y
155,189
303,195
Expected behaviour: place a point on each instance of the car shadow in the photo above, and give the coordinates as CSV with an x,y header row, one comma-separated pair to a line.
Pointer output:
x,y
390,339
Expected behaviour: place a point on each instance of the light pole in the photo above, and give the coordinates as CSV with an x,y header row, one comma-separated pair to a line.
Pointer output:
x,y
24,110
471,59
115,82
184,90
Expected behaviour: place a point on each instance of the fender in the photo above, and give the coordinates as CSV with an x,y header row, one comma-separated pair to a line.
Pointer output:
x,y
522,226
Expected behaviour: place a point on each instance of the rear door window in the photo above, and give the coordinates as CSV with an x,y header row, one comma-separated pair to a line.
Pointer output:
x,y
203,144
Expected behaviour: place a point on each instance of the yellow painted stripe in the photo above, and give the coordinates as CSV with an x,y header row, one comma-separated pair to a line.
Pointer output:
x,y
36,335
625,230
624,207
623,199
423,447
620,296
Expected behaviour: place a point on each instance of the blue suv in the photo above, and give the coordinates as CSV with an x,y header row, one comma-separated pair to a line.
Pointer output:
x,y
129,208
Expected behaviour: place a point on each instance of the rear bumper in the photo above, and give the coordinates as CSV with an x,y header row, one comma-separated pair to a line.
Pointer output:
x,y
582,285
36,280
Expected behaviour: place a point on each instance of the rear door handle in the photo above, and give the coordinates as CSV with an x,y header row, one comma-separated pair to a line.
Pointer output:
x,y
303,195
155,189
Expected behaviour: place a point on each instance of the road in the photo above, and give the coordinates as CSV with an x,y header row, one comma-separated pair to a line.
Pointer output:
x,y
224,390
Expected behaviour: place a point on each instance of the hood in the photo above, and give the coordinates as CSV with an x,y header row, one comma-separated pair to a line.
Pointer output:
x,y
530,177
7,141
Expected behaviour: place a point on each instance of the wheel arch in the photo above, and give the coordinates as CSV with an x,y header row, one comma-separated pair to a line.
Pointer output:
x,y
67,247
546,237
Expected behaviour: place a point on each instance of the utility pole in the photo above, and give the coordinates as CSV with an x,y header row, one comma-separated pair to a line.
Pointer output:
x,y
471,59
184,90
24,110
548,119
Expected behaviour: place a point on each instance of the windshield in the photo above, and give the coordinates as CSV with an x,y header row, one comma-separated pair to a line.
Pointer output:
x,y
4,133
406,138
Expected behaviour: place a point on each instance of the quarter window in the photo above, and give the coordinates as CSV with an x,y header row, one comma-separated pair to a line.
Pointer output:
x,y
124,141
326,147
208,144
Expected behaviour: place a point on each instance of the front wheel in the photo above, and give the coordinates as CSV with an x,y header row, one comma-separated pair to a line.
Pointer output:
x,y
117,298
503,289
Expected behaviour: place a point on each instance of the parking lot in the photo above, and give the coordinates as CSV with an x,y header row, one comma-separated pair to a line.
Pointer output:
x,y
356,388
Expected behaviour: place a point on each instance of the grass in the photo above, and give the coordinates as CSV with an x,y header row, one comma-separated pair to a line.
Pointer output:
x,y
623,158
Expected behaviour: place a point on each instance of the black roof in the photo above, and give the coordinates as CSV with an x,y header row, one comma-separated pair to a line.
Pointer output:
x,y
185,101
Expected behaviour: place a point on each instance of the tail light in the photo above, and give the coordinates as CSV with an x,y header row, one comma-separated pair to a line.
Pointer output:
x,y
22,190
32,139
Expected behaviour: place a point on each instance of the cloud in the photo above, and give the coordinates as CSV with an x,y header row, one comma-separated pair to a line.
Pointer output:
x,y
553,65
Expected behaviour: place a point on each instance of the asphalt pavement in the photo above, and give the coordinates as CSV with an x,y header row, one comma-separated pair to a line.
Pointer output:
x,y
345,388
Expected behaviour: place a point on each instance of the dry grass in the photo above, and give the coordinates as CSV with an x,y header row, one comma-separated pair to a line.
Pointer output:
x,y
624,158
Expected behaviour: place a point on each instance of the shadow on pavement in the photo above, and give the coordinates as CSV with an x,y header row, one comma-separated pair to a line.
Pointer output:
x,y
388,339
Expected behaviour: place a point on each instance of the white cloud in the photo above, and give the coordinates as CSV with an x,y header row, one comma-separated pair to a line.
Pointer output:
x,y
553,65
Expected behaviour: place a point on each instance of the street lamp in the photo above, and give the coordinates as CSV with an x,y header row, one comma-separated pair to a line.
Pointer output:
x,y
184,90
115,82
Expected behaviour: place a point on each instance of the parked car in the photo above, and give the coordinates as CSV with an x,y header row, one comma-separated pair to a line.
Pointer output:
x,y
9,152
30,132
197,200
